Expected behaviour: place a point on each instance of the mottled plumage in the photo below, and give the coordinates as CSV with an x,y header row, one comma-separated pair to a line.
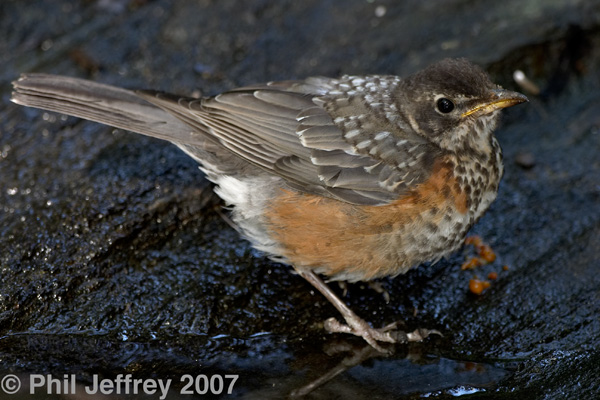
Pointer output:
x,y
354,178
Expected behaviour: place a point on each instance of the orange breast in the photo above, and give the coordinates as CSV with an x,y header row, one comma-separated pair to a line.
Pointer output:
x,y
361,242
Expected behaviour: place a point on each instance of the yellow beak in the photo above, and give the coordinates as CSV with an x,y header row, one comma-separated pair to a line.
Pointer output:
x,y
500,99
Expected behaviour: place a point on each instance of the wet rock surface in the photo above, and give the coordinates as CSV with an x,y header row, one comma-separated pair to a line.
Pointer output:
x,y
114,258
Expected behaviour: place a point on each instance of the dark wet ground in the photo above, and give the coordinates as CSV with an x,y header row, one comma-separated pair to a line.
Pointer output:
x,y
114,258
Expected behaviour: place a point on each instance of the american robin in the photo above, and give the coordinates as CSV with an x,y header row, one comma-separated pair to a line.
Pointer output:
x,y
353,178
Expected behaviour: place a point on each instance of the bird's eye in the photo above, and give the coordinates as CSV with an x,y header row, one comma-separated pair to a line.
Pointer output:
x,y
444,105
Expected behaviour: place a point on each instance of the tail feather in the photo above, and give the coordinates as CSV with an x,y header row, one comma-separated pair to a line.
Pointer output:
x,y
102,103
129,110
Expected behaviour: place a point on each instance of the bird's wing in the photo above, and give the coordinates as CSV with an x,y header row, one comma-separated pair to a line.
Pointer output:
x,y
320,134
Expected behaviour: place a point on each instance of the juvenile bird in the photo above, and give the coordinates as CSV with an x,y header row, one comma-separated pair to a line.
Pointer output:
x,y
353,178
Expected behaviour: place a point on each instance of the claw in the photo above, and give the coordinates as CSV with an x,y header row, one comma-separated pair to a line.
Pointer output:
x,y
388,333
420,334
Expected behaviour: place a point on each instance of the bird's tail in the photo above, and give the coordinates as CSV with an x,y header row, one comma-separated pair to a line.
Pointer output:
x,y
128,109
98,102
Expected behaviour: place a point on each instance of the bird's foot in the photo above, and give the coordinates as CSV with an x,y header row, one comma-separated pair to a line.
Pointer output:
x,y
389,333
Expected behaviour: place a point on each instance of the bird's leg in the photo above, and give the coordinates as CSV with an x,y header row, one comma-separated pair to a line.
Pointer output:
x,y
356,325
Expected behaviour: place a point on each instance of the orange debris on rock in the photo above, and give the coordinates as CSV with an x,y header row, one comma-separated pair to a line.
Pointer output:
x,y
477,286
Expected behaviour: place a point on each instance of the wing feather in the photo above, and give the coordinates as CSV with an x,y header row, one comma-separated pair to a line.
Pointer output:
x,y
316,134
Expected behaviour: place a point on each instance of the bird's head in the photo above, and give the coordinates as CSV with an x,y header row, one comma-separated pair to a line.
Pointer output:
x,y
454,104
